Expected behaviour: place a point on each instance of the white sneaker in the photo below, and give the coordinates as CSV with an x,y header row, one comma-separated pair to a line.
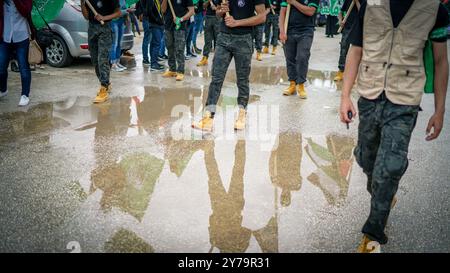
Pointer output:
x,y
24,100
121,66
3,94
116,68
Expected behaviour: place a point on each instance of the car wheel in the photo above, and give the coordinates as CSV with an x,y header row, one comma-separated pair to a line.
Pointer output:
x,y
57,54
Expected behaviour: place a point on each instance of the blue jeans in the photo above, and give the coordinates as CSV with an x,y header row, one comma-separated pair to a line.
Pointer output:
x,y
162,49
189,36
6,51
198,25
118,27
153,35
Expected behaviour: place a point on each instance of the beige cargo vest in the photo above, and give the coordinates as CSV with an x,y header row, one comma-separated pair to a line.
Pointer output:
x,y
392,58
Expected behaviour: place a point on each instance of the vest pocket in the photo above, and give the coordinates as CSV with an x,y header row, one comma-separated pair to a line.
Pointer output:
x,y
366,77
412,51
408,82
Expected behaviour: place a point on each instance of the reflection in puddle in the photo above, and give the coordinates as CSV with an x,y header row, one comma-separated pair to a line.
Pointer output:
x,y
125,241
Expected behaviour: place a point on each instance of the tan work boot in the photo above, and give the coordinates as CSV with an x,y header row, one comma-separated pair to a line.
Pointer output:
x,y
265,50
290,90
258,56
368,246
169,74
339,76
206,123
274,50
301,91
109,88
102,95
203,61
239,124
180,77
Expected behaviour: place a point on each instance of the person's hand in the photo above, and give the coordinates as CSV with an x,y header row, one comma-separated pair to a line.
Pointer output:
x,y
231,22
99,18
436,123
347,106
273,7
283,37
177,21
341,23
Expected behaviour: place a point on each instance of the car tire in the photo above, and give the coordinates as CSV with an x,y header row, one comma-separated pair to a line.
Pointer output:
x,y
57,54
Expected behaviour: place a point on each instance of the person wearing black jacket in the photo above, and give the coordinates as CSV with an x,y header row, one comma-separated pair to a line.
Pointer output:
x,y
150,12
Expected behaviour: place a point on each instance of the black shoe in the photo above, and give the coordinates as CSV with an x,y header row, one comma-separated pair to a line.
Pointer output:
x,y
197,50
14,66
158,68
164,57
145,63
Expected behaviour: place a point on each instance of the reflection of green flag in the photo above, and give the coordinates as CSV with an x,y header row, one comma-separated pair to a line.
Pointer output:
x,y
429,67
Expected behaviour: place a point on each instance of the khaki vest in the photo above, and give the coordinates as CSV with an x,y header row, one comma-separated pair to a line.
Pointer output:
x,y
392,59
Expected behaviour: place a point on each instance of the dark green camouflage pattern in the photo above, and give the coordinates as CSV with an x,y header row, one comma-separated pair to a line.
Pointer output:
x,y
100,43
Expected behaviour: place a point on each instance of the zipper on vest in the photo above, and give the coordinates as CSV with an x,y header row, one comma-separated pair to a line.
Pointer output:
x,y
394,31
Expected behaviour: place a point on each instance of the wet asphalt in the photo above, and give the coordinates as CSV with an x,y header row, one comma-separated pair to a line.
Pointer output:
x,y
131,175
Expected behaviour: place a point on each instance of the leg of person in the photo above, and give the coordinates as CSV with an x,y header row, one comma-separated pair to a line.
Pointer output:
x,y
242,51
267,29
155,46
104,46
162,50
343,54
188,39
275,34
5,53
115,42
22,49
397,125
121,30
93,47
146,42
180,41
258,41
170,43
302,61
221,61
290,53
209,34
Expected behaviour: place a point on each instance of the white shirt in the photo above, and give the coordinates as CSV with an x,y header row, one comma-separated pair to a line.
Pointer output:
x,y
15,28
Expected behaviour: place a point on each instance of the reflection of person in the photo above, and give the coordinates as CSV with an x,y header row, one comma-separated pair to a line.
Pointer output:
x,y
391,83
234,41
297,39
100,41
333,166
225,223
284,165
15,25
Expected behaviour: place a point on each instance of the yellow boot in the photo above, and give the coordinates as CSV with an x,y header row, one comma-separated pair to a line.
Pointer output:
x,y
274,50
109,88
240,121
339,76
203,62
265,50
206,123
290,90
301,91
169,74
368,246
258,56
180,77
102,95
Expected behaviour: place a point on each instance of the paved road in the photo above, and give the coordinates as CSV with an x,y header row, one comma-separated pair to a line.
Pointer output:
x,y
130,175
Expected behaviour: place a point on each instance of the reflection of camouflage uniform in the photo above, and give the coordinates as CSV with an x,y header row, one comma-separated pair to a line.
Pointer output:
x,y
100,42
175,43
383,138
239,47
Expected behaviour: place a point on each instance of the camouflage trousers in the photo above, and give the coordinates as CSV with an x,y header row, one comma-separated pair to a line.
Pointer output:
x,y
212,26
258,32
176,43
229,46
271,25
100,43
384,134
